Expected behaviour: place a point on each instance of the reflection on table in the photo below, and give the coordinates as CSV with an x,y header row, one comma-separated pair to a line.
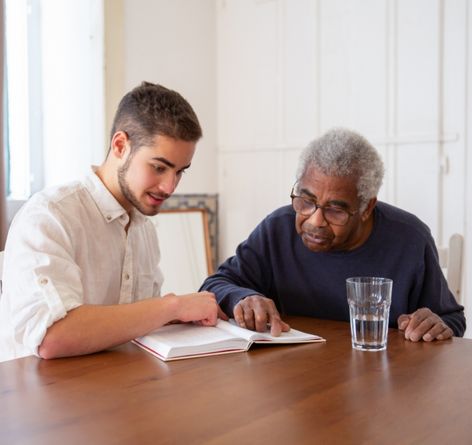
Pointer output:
x,y
296,394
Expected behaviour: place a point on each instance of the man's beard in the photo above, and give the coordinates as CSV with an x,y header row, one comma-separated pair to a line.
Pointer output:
x,y
128,193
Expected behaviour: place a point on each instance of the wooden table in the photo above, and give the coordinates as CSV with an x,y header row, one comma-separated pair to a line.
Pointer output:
x,y
413,393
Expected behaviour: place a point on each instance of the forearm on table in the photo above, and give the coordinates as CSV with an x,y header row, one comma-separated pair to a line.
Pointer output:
x,y
92,328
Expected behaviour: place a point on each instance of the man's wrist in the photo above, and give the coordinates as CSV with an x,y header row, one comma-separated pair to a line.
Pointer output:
x,y
170,306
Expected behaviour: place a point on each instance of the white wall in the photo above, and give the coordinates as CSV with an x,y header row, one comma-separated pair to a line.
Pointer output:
x,y
72,88
467,167
173,43
267,92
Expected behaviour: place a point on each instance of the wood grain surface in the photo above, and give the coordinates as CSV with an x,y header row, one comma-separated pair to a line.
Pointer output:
x,y
412,393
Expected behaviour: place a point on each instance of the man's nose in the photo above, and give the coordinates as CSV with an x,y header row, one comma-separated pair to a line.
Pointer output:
x,y
317,218
168,183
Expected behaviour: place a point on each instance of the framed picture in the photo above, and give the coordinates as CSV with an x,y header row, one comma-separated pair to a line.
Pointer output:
x,y
184,241
208,202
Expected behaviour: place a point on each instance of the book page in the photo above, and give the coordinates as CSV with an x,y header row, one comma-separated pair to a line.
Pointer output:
x,y
292,336
182,339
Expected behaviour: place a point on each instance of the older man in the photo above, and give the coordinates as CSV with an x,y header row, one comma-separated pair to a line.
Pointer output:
x,y
297,259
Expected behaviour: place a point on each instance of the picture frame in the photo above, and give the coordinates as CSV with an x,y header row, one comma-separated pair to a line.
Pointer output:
x,y
184,242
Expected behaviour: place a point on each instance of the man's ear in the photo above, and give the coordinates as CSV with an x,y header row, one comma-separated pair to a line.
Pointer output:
x,y
369,209
119,145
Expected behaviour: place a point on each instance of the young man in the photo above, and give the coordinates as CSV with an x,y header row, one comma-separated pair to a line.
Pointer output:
x,y
81,260
297,260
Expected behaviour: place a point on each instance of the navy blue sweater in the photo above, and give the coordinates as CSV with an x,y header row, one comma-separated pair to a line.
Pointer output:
x,y
275,263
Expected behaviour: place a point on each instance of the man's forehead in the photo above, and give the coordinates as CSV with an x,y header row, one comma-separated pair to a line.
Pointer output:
x,y
315,181
315,176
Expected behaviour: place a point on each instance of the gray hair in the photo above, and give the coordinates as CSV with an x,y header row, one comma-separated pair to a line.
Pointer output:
x,y
343,152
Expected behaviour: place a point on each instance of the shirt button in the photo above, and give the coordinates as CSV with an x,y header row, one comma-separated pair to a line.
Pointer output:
x,y
126,276
108,218
43,281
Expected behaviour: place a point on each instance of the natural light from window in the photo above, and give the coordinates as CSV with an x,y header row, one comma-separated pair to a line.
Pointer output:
x,y
55,92
17,93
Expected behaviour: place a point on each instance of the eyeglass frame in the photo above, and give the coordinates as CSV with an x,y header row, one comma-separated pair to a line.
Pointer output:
x,y
316,207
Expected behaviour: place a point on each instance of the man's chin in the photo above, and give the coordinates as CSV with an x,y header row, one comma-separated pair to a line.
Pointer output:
x,y
148,210
153,212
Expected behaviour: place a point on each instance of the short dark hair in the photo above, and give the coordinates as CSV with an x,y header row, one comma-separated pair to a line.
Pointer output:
x,y
150,110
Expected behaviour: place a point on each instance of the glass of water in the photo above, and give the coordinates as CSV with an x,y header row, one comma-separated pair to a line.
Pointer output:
x,y
369,301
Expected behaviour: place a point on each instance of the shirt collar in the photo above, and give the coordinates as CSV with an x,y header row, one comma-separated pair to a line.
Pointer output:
x,y
107,204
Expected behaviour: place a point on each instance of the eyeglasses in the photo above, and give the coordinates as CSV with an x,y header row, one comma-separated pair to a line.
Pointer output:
x,y
333,215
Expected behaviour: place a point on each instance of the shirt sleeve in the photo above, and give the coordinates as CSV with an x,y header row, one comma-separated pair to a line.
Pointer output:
x,y
41,280
435,293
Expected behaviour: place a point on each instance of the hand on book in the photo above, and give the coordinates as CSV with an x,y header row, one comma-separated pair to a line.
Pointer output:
x,y
221,315
255,312
199,307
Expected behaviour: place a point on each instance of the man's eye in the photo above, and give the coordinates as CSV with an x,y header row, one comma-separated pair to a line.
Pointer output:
x,y
334,210
308,202
160,168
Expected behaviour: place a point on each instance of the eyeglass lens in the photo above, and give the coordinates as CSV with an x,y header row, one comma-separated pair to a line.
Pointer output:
x,y
332,215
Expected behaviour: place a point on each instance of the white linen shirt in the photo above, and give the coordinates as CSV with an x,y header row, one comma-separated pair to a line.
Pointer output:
x,y
68,246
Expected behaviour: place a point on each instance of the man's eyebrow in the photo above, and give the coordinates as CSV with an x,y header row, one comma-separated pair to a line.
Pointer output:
x,y
164,161
337,203
307,192
170,164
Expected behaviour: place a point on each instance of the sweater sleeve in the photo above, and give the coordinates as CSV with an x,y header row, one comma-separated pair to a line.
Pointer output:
x,y
246,273
435,293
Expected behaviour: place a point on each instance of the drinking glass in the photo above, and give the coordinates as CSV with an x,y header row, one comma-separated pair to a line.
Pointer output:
x,y
369,301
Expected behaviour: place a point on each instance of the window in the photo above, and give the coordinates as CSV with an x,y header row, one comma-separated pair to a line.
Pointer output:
x,y
18,98
54,92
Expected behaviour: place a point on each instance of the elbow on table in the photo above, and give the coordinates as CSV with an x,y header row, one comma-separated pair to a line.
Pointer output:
x,y
47,350
54,347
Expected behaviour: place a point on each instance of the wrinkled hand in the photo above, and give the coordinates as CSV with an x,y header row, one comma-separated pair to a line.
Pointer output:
x,y
424,324
256,312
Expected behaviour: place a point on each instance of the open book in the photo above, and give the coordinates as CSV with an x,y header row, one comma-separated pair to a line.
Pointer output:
x,y
186,340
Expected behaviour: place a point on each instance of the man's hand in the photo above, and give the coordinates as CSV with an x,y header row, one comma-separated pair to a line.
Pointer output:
x,y
256,312
424,324
200,307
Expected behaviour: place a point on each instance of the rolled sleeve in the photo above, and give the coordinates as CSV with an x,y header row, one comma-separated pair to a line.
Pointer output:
x,y
41,281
